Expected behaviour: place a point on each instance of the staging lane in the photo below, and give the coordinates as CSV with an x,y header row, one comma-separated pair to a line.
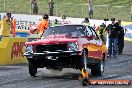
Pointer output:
x,y
18,77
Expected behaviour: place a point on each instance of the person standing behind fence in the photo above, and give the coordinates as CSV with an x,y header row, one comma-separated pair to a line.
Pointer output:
x,y
90,6
34,6
113,35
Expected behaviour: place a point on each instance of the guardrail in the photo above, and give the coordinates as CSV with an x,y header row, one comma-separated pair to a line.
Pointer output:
x,y
11,50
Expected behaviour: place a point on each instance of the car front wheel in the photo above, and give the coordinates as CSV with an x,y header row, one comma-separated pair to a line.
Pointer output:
x,y
32,69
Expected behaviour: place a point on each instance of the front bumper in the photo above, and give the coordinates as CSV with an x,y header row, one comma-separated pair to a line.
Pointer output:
x,y
48,53
59,59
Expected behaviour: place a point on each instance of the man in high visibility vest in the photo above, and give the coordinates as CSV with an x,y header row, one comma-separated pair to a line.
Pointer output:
x,y
102,32
43,25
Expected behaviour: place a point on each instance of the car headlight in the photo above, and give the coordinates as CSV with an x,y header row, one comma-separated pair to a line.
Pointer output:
x,y
29,49
72,46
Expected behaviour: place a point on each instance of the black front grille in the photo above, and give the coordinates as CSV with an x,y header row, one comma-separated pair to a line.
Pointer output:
x,y
51,48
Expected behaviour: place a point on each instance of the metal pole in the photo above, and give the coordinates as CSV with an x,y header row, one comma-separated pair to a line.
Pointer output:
x,y
56,7
63,6
107,11
30,4
51,6
4,5
13,7
131,13
82,10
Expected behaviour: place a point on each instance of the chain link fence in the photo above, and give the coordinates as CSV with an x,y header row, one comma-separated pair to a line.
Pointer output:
x,y
69,8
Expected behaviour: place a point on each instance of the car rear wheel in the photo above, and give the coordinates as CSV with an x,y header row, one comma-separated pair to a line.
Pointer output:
x,y
98,69
32,69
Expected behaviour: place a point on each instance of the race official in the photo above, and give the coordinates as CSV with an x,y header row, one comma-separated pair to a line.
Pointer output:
x,y
6,26
43,25
113,36
102,32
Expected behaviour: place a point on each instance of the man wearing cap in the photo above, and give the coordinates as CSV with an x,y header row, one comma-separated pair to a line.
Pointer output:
x,y
43,25
86,22
6,26
113,35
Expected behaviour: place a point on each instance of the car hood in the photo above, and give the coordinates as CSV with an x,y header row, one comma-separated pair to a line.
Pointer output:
x,y
53,39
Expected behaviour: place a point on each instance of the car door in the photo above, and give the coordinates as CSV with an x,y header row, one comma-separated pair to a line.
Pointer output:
x,y
94,45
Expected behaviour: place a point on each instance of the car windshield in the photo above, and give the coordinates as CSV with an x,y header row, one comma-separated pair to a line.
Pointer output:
x,y
71,30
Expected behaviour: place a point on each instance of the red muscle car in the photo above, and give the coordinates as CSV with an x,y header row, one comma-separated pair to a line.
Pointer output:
x,y
67,46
